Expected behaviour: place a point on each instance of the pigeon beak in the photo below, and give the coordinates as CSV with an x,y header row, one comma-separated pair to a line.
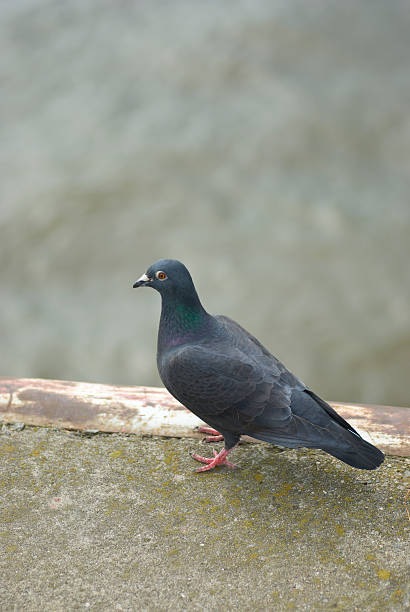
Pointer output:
x,y
143,280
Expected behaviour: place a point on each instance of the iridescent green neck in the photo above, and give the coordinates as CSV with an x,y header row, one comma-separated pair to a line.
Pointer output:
x,y
181,321
187,316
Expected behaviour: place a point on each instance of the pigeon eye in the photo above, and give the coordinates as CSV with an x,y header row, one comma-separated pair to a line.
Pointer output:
x,y
161,275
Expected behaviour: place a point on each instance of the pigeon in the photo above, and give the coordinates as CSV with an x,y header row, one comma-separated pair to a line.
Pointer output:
x,y
226,377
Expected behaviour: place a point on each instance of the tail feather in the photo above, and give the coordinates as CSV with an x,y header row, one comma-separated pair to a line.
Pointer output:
x,y
358,453
341,443
315,424
345,443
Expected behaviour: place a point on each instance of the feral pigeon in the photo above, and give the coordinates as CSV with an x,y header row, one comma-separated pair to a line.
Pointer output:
x,y
225,376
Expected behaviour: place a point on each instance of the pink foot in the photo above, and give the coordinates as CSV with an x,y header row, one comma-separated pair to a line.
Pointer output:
x,y
218,459
214,437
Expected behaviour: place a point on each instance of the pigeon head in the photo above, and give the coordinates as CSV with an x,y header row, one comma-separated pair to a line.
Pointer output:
x,y
169,277
182,314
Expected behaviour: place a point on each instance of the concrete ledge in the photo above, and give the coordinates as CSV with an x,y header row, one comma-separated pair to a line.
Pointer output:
x,y
150,410
116,522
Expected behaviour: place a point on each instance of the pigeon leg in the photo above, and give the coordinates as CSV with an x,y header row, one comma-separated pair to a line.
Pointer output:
x,y
214,437
218,459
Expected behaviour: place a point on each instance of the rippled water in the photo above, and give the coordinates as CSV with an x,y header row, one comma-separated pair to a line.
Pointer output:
x,y
266,144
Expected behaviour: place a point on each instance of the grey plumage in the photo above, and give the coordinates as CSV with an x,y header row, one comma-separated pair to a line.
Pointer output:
x,y
225,376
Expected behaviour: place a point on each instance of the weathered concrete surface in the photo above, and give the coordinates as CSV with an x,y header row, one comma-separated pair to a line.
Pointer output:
x,y
116,522
152,410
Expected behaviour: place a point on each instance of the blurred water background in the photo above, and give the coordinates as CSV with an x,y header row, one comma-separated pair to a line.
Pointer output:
x,y
265,143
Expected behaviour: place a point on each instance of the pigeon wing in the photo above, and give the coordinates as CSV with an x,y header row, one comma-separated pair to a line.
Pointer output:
x,y
211,383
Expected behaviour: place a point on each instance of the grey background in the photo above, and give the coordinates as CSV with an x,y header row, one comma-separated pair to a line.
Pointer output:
x,y
263,143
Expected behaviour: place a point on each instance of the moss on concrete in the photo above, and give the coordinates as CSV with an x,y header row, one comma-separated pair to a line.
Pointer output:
x,y
113,522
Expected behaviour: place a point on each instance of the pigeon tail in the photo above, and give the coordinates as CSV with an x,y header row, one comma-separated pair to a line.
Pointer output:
x,y
346,444
358,453
315,424
343,444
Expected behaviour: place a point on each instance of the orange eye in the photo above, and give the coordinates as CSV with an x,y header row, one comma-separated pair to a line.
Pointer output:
x,y
161,275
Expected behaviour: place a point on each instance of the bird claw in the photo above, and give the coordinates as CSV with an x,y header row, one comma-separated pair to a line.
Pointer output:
x,y
208,430
214,437
218,459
